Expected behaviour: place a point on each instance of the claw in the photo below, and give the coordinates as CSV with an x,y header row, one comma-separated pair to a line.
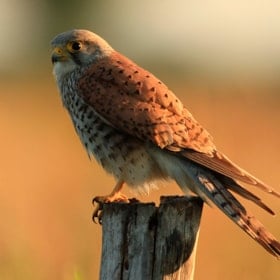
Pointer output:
x,y
101,200
115,196
97,213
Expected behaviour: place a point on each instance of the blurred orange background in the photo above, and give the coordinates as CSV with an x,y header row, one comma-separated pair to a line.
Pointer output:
x,y
46,179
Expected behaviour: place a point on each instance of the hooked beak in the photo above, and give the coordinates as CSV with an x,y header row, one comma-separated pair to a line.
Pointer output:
x,y
59,54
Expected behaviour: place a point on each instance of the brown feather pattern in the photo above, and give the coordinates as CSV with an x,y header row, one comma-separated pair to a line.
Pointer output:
x,y
139,131
137,102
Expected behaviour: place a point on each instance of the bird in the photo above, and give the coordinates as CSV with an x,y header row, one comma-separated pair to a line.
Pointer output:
x,y
140,132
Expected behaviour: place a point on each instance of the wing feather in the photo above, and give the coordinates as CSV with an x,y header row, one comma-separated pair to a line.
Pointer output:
x,y
134,101
218,162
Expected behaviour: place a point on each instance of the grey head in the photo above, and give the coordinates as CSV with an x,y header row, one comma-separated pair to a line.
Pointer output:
x,y
77,48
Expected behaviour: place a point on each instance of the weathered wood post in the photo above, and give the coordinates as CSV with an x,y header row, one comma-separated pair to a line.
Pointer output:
x,y
144,242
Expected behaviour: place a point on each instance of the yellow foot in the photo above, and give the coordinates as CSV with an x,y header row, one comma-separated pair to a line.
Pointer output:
x,y
101,200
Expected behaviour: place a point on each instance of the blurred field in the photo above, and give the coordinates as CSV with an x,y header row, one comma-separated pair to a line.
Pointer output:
x,y
47,182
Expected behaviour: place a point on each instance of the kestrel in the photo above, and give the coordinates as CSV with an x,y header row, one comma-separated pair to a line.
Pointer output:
x,y
140,132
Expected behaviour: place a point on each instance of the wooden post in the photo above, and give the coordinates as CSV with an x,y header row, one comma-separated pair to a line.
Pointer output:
x,y
142,241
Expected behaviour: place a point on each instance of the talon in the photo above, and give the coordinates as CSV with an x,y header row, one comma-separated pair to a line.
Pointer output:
x,y
133,200
101,200
115,196
97,213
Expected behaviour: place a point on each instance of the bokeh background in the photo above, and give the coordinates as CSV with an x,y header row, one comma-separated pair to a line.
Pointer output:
x,y
222,58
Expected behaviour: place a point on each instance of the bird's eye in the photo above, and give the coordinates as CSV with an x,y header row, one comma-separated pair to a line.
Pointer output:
x,y
75,46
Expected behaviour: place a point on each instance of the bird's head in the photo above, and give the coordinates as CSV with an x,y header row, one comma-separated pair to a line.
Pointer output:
x,y
77,48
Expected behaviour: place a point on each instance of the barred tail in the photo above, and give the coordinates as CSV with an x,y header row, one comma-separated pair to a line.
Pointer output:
x,y
214,188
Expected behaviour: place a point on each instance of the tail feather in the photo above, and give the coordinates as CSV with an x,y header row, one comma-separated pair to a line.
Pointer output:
x,y
235,187
214,189
260,234
220,163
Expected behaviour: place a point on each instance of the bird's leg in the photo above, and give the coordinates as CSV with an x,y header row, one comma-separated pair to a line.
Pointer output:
x,y
114,196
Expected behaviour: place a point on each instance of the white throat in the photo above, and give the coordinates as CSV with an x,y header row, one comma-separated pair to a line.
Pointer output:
x,y
60,69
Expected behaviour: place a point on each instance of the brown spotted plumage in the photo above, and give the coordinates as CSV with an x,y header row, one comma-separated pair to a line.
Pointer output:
x,y
140,132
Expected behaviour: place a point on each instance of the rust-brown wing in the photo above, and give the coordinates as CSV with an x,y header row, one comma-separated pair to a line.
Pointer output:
x,y
136,102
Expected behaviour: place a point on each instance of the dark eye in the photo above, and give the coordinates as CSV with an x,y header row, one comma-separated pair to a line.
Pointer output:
x,y
76,46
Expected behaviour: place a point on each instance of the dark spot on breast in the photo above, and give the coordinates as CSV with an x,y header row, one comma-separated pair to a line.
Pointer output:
x,y
109,135
112,156
100,127
96,149
82,108
95,135
90,114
